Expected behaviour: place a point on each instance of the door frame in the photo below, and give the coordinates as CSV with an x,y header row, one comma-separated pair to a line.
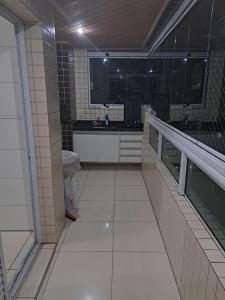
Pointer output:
x,y
2,270
30,147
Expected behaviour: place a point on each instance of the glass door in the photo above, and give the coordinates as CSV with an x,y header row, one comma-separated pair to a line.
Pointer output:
x,y
3,284
17,225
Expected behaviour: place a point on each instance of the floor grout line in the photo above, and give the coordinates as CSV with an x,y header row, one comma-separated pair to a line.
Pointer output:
x,y
113,222
109,251
18,253
114,207
116,221
51,266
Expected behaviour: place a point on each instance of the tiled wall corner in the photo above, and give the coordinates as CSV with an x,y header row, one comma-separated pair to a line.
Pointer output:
x,y
197,261
50,60
83,110
42,72
66,81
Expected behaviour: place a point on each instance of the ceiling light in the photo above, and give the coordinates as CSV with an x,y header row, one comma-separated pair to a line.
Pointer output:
x,y
106,58
80,30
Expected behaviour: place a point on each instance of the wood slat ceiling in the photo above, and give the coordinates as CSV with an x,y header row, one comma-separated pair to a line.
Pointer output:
x,y
110,24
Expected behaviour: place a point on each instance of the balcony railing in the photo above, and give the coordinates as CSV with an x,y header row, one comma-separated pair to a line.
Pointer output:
x,y
199,170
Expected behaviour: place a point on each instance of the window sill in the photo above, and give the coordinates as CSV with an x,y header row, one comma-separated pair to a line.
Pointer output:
x,y
110,106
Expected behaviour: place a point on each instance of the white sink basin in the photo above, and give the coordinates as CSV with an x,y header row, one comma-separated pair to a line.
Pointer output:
x,y
71,163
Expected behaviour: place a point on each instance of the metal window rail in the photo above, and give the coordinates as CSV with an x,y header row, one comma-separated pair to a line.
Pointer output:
x,y
208,160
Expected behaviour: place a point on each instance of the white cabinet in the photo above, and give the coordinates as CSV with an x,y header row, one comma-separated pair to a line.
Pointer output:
x,y
108,148
86,146
96,147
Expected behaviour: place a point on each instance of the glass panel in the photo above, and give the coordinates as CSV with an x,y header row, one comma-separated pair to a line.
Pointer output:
x,y
212,127
195,75
199,31
112,79
99,72
195,80
118,81
154,138
171,157
208,199
16,215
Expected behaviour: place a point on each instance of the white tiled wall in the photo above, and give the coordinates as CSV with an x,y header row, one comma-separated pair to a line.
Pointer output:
x,y
42,72
197,262
83,110
15,201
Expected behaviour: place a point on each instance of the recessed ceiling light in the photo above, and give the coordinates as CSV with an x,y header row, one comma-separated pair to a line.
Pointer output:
x,y
80,30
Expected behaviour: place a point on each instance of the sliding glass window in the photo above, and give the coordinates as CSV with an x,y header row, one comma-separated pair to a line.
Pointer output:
x,y
154,138
208,199
171,156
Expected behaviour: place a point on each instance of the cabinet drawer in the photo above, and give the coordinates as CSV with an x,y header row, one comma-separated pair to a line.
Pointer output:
x,y
134,159
130,152
131,145
131,137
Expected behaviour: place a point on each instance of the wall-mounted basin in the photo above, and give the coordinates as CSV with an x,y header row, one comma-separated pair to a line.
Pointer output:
x,y
71,163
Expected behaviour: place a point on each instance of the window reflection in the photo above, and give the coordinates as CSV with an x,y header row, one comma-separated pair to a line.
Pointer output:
x,y
171,158
154,138
208,199
197,93
112,80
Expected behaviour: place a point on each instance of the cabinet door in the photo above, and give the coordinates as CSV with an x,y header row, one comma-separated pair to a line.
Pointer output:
x,y
108,148
86,146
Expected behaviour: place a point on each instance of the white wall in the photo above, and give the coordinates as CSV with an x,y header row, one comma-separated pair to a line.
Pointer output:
x,y
15,201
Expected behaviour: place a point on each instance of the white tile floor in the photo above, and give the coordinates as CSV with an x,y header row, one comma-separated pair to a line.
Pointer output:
x,y
114,251
16,246
35,276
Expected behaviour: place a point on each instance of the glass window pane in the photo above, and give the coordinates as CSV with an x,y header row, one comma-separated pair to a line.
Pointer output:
x,y
17,225
195,76
118,69
171,157
154,138
99,73
111,79
208,199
